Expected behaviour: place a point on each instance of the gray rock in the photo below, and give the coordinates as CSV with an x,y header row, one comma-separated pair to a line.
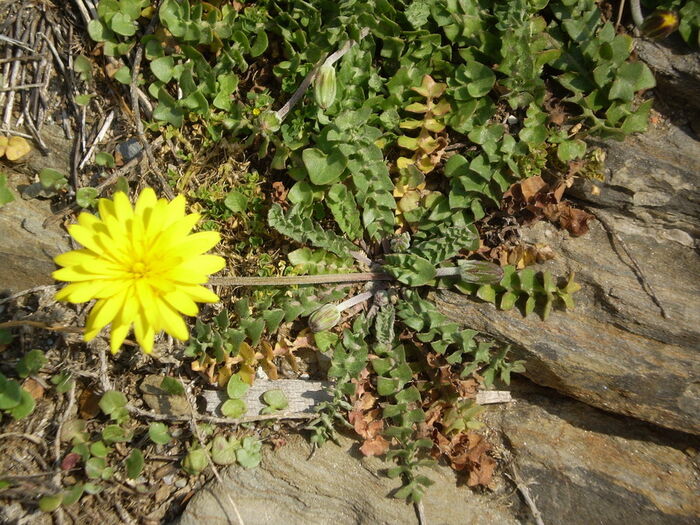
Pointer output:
x,y
615,350
335,486
676,68
27,248
584,466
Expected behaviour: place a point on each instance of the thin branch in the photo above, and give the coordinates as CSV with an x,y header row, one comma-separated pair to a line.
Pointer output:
x,y
214,419
527,496
100,135
27,291
44,326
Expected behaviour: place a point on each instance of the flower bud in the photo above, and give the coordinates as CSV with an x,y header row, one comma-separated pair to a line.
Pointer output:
x,y
480,272
325,87
659,24
324,318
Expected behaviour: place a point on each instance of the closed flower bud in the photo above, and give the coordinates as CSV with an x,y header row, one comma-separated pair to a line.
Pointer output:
x,y
325,87
659,24
480,272
325,318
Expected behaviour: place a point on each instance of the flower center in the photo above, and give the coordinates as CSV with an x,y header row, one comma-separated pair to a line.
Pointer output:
x,y
138,269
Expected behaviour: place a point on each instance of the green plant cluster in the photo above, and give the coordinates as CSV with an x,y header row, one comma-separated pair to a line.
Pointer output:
x,y
482,95
531,291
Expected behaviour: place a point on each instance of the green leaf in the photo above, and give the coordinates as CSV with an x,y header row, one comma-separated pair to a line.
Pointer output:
x,y
6,197
105,159
63,382
259,44
236,387
223,451
167,109
481,79
52,179
234,408
134,464
73,494
158,433
86,197
275,399
25,407
116,434
571,149
50,503
325,340
123,75
172,386
410,269
236,202
82,65
487,293
94,467
122,24
249,455
344,208
10,393
631,77
99,449
31,363
5,334
323,169
99,32
162,68
195,461
111,401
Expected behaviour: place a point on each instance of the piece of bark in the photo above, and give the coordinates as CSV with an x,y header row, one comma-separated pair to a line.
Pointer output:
x,y
303,396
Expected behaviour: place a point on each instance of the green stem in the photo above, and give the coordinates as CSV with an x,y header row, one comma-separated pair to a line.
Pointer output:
x,y
636,10
291,280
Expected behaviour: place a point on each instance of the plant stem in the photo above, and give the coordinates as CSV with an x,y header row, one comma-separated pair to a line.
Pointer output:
x,y
636,10
290,280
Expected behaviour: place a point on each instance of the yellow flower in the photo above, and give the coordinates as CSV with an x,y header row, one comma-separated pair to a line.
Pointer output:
x,y
141,264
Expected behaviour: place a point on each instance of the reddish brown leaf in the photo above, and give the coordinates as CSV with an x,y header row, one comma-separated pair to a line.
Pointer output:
x,y
375,446
70,461
88,404
574,221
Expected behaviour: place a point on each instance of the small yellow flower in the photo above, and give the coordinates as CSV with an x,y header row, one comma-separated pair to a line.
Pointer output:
x,y
142,265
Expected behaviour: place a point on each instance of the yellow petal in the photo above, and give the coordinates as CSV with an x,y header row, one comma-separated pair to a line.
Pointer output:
x,y
117,337
82,257
85,236
91,329
199,293
207,264
122,207
147,199
175,211
182,274
79,292
197,243
172,322
108,311
181,302
144,333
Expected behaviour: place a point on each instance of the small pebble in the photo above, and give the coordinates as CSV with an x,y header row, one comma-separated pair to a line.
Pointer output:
x,y
168,480
181,483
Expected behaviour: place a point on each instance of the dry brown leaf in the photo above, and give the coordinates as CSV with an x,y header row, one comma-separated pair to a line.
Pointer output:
x,y
34,388
88,404
17,147
375,446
